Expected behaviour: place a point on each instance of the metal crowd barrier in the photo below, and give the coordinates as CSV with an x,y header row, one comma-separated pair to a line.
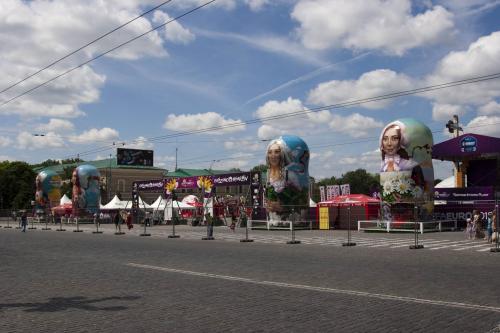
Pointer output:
x,y
393,226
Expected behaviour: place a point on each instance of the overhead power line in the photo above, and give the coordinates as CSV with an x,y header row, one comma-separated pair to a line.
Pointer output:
x,y
103,54
313,110
332,106
84,46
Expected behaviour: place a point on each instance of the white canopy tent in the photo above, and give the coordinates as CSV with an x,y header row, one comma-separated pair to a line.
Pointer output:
x,y
159,203
312,203
115,203
64,200
142,204
175,205
445,183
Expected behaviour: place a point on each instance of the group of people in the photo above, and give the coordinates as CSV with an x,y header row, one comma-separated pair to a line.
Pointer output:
x,y
475,228
120,217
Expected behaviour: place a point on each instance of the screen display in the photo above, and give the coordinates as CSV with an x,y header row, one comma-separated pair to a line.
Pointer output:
x,y
125,156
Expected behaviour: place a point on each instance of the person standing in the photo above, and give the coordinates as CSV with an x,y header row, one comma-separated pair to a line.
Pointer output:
x,y
24,221
476,222
129,221
489,227
116,220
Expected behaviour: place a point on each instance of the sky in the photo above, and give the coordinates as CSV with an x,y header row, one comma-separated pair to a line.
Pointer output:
x,y
231,65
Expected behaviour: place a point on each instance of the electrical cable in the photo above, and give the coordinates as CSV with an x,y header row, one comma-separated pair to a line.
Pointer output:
x,y
82,47
103,54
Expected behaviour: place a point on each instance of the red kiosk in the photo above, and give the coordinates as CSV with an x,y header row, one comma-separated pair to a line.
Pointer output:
x,y
335,212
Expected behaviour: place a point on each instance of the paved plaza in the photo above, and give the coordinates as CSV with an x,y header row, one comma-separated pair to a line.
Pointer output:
x,y
82,282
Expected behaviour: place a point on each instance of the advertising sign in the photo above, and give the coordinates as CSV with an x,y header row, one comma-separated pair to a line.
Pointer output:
x,y
134,157
322,193
345,189
468,193
468,144
155,185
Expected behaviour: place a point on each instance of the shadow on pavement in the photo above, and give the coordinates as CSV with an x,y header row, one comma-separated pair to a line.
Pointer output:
x,y
64,303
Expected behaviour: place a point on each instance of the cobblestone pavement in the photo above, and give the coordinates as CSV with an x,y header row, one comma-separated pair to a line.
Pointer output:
x,y
80,282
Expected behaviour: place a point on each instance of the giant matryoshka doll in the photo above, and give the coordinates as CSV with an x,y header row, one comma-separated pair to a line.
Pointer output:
x,y
287,183
406,171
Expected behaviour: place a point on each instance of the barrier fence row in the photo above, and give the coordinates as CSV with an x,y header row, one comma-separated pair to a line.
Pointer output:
x,y
250,232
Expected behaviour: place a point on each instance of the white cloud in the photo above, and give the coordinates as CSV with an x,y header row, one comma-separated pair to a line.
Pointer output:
x,y
354,125
369,161
240,161
95,135
5,141
370,84
200,121
270,43
484,125
28,141
489,109
444,112
257,5
298,122
164,161
140,143
35,33
387,25
56,125
173,31
481,58
6,158
189,4
244,145
322,156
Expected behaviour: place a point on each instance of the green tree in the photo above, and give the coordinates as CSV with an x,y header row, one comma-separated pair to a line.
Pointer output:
x,y
361,181
17,185
259,168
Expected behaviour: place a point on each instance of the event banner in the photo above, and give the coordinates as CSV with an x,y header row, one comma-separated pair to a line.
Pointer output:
x,y
329,192
155,185
463,194
256,191
345,189
206,183
322,193
233,179
335,191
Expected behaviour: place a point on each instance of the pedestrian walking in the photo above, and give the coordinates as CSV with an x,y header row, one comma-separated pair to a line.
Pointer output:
x,y
210,225
476,221
117,221
129,221
233,222
469,230
24,222
489,227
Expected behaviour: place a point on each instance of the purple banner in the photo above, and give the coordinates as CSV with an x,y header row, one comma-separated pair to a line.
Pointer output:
x,y
155,185
242,178
187,182
468,193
